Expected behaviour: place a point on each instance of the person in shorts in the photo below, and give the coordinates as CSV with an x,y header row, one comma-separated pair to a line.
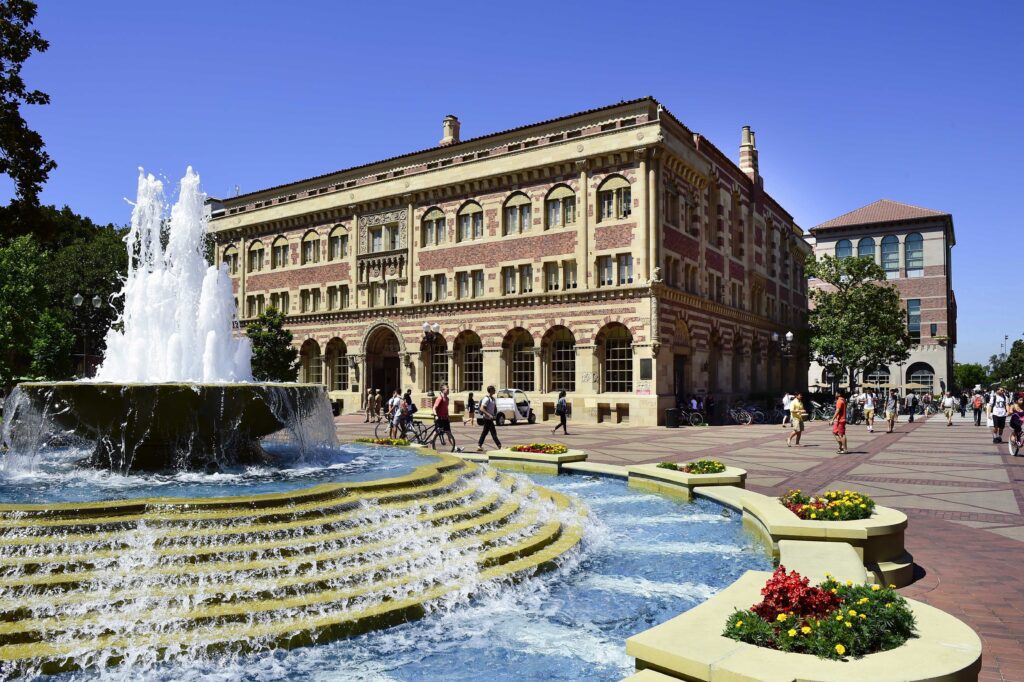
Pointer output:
x,y
892,410
948,407
797,414
1016,412
442,421
787,402
869,410
839,422
999,405
394,413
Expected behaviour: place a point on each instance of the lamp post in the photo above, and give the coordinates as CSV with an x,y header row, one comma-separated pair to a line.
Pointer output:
x,y
785,345
430,334
77,300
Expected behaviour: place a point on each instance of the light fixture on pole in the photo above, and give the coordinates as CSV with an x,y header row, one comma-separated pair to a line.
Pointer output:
x,y
785,342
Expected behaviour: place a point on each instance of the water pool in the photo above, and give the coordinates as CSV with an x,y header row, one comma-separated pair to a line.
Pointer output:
x,y
645,559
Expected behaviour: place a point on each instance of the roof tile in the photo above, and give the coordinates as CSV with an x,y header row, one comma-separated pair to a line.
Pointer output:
x,y
881,211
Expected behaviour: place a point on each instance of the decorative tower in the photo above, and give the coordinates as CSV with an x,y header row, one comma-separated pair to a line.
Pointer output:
x,y
451,130
748,154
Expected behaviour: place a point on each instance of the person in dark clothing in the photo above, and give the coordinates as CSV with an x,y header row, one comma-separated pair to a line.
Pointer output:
x,y
561,408
488,413
709,406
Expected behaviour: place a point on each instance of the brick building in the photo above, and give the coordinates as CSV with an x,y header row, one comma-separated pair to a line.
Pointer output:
x,y
612,253
914,246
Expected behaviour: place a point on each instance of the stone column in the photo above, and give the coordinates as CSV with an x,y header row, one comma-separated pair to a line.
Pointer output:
x,y
642,214
353,251
493,368
653,218
538,371
411,272
450,357
583,242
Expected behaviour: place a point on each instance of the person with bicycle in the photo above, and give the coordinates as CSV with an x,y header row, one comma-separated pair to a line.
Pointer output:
x,y
488,413
839,422
1016,413
797,414
442,423
998,405
394,413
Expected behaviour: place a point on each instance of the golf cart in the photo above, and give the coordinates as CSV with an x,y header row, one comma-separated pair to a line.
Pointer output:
x,y
513,406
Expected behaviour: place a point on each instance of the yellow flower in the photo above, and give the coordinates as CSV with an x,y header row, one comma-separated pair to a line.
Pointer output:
x,y
863,616
840,649
888,606
833,590
863,506
849,583
852,612
806,630
739,623
876,588
848,624
891,586
792,633
781,618
814,516
839,617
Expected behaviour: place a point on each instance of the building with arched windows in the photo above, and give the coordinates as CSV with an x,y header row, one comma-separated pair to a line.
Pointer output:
x,y
913,245
614,254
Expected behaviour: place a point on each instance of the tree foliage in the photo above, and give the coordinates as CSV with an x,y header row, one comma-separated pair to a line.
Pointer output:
x,y
968,375
22,301
857,322
22,154
273,356
1010,369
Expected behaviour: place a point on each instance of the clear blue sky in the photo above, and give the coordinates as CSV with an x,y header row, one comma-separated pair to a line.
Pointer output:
x,y
914,101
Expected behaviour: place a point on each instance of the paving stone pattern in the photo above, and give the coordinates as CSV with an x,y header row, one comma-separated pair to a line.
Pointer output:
x,y
963,495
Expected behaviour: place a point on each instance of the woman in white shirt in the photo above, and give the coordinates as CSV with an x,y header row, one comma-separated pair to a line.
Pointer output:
x,y
948,407
997,405
787,401
869,410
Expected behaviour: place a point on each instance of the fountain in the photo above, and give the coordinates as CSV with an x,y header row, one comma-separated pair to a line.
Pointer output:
x,y
175,389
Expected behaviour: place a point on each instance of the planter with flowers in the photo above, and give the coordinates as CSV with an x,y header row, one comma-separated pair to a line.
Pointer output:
x,y
681,478
541,448
394,442
544,458
778,627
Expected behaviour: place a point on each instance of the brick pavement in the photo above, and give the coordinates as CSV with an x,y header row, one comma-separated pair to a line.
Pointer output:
x,y
963,495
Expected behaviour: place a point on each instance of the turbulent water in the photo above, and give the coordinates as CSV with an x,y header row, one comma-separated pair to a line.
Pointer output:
x,y
178,309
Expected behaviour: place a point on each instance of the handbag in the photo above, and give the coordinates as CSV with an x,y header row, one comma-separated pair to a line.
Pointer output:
x,y
990,422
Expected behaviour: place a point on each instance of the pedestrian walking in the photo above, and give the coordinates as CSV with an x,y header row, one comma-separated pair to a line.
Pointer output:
x,y
839,422
910,402
869,410
948,407
964,399
892,410
998,404
442,422
977,403
394,413
710,404
378,403
488,413
470,409
787,402
797,415
369,406
561,408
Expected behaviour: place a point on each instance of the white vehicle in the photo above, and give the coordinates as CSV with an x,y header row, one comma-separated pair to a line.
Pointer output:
x,y
513,406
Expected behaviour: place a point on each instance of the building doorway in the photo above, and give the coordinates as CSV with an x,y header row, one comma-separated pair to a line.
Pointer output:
x,y
382,362
679,364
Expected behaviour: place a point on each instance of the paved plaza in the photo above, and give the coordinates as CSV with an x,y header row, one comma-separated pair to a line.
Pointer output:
x,y
963,495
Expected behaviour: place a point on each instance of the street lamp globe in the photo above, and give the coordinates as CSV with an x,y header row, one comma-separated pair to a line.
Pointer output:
x,y
96,301
789,337
775,337
77,300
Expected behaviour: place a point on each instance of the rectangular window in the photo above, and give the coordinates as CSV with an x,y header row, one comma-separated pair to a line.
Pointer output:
x,y
440,287
616,203
433,232
618,366
478,283
332,298
394,237
279,256
340,375
625,269
473,368
522,366
280,301
250,306
344,297
462,282
311,251
569,274
525,279
508,281
231,260
604,271
376,239
427,238
426,288
569,210
563,365
337,247
255,260
672,208
914,319
551,280
465,227
517,219
478,225
606,201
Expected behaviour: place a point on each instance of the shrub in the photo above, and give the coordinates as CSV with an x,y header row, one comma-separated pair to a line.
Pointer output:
x,y
704,466
832,620
541,448
833,505
398,442
669,465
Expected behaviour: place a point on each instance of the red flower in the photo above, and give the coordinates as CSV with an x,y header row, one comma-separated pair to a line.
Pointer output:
x,y
792,594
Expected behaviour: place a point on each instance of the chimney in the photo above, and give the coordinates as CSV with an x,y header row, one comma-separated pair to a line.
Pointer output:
x,y
748,154
451,130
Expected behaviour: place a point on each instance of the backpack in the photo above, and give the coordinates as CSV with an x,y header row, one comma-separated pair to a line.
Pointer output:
x,y
977,402
560,407
411,409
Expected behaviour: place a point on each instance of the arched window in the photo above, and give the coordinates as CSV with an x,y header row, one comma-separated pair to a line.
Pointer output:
x,y
279,253
310,248
470,222
914,246
433,228
844,248
561,207
337,364
520,358
231,259
866,248
923,374
877,377
256,256
438,363
891,256
469,362
310,363
561,351
517,214
337,243
616,357
614,198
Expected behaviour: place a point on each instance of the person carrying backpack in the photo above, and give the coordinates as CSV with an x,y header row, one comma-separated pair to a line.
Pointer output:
x,y
911,404
561,408
976,404
488,412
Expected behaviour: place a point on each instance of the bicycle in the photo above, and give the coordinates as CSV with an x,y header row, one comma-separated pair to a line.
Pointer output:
x,y
756,415
694,418
410,430
434,437
740,416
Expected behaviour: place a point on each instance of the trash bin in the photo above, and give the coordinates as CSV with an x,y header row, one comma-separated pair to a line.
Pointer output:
x,y
672,418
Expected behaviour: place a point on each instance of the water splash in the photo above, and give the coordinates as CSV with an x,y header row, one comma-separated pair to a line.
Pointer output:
x,y
178,309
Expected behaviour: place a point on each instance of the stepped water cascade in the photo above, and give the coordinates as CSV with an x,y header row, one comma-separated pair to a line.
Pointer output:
x,y
173,519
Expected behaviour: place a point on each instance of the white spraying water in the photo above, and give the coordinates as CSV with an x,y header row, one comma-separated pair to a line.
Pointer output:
x,y
178,309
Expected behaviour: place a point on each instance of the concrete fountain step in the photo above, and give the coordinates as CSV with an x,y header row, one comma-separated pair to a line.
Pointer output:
x,y
513,548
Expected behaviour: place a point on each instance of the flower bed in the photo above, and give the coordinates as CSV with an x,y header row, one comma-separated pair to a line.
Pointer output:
x,y
541,448
833,505
700,466
398,442
833,620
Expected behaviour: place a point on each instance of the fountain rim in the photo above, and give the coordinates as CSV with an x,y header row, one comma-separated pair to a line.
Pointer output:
x,y
88,382
142,504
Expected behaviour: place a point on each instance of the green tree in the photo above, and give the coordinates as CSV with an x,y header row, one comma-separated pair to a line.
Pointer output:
x,y
273,356
22,300
51,352
22,154
1010,371
857,322
968,375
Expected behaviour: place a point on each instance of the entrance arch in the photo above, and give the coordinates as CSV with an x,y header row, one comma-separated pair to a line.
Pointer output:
x,y
383,367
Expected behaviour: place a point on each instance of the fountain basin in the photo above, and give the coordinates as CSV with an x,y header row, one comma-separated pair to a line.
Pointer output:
x,y
153,426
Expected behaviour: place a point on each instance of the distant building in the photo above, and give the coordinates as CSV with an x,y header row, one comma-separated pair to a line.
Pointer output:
x,y
914,246
613,253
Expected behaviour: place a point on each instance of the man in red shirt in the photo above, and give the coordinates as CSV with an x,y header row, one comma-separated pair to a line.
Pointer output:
x,y
441,413
839,422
